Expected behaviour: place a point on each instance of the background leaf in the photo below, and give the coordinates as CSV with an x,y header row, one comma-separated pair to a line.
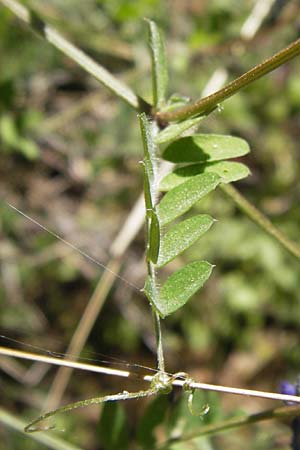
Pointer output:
x,y
153,416
113,426
205,147
180,199
181,236
181,285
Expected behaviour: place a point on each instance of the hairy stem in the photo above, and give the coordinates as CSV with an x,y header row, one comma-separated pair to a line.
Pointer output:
x,y
260,219
159,342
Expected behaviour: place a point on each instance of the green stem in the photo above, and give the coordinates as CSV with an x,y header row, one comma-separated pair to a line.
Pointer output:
x,y
32,19
220,427
207,104
260,219
159,342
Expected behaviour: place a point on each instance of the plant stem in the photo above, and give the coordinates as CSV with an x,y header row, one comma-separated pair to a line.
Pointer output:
x,y
207,104
37,24
220,427
159,342
260,219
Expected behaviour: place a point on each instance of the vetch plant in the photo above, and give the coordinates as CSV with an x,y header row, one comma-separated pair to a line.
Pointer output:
x,y
202,163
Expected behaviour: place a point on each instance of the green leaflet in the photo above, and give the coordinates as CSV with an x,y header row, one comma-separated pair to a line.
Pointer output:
x,y
181,236
204,148
228,171
176,129
149,166
180,199
152,293
149,152
179,287
159,65
154,238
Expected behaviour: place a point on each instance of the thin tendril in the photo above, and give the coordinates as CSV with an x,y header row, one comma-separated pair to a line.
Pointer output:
x,y
31,427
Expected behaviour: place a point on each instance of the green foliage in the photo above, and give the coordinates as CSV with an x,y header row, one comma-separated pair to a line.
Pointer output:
x,y
205,148
228,172
181,285
181,198
253,305
14,142
113,427
176,129
154,416
159,65
181,236
150,174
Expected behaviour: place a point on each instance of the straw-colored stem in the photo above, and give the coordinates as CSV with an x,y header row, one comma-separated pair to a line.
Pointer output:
x,y
175,381
159,342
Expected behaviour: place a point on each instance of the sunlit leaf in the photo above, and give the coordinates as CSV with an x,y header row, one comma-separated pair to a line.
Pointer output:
x,y
181,285
228,171
154,238
149,152
152,293
180,199
149,166
159,65
176,129
204,148
181,236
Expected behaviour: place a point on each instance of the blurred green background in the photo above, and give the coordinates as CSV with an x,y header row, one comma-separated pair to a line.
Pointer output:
x,y
69,153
